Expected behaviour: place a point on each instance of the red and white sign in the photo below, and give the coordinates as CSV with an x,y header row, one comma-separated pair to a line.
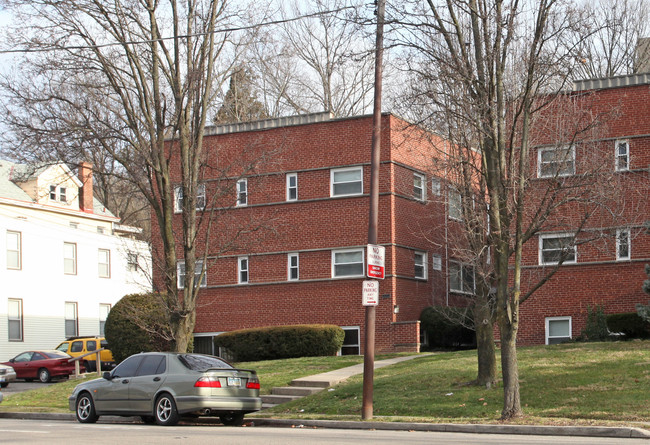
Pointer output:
x,y
375,256
370,293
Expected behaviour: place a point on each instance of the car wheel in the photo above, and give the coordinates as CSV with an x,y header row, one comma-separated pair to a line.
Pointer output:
x,y
232,419
86,409
149,420
165,411
44,375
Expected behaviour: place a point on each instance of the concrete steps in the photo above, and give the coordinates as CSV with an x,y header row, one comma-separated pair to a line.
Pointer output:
x,y
284,394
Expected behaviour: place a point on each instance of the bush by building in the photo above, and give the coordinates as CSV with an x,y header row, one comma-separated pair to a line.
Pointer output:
x,y
630,324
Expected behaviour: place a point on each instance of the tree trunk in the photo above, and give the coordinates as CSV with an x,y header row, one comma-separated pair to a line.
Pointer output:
x,y
485,349
510,369
183,329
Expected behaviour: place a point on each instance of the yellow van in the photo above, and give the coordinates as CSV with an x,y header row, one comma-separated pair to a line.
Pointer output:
x,y
76,346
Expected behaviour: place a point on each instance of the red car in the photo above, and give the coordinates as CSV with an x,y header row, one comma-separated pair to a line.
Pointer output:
x,y
42,365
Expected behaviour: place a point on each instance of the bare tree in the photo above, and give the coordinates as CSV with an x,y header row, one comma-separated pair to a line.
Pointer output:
x,y
136,82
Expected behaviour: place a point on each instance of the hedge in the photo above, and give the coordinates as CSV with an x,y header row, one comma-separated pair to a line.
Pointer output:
x,y
278,342
447,328
629,324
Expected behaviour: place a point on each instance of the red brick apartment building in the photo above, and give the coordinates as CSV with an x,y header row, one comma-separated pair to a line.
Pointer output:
x,y
314,189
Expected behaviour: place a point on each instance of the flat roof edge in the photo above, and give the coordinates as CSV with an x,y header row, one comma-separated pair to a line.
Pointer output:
x,y
612,82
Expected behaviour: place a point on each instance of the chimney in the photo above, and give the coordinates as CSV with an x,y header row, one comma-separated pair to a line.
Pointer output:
x,y
86,191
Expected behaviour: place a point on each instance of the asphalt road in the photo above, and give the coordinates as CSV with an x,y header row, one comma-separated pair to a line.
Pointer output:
x,y
21,385
16,431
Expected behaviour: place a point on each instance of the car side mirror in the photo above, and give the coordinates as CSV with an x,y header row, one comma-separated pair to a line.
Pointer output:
x,y
107,375
12,360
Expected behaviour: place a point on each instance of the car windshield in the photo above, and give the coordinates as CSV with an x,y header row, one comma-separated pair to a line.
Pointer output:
x,y
55,354
201,363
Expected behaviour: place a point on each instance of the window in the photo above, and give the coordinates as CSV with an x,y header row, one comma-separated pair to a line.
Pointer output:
x,y
435,186
461,277
53,192
15,319
622,155
104,263
132,261
180,271
70,319
70,258
558,330
100,230
418,187
420,259
554,161
351,342
436,262
347,263
293,267
292,187
623,244
554,248
62,191
455,205
14,247
178,198
104,309
242,192
242,270
346,181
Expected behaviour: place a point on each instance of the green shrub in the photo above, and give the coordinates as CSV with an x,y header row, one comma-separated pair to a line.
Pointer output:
x,y
630,324
277,342
448,328
596,326
137,323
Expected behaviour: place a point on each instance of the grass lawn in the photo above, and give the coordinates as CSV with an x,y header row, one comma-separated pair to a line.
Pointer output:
x,y
577,383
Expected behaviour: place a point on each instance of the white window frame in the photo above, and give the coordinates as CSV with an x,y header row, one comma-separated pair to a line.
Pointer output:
x,y
62,194
178,198
543,237
351,345
104,254
571,156
455,204
243,270
623,234
200,197
14,250
436,186
293,267
132,261
419,187
436,262
333,183
71,314
104,309
181,275
619,157
343,251
15,317
242,192
52,193
421,265
70,260
462,269
547,322
292,188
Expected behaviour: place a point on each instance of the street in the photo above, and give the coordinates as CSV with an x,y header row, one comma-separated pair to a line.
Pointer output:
x,y
59,432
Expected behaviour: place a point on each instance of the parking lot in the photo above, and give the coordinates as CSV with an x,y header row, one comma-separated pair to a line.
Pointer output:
x,y
21,385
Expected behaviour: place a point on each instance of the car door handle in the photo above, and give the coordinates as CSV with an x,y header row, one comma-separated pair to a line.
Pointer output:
x,y
125,381
156,379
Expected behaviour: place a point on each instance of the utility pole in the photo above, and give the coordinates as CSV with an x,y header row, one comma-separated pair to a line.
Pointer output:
x,y
373,217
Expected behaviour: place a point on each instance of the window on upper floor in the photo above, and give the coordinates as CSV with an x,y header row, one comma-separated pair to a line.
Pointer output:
x,y
555,161
71,322
436,186
347,263
436,262
622,155
242,192
461,277
455,204
292,186
292,267
132,261
57,193
14,250
558,330
242,270
70,258
180,272
557,247
62,194
178,197
420,263
53,192
104,309
623,245
15,319
104,263
419,189
346,181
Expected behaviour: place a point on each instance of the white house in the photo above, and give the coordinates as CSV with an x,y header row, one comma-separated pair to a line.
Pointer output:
x,y
66,259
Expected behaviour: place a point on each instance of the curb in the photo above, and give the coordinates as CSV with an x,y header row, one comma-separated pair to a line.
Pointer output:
x,y
537,430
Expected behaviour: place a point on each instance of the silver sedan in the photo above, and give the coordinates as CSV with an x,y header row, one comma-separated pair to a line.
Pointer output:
x,y
7,375
163,386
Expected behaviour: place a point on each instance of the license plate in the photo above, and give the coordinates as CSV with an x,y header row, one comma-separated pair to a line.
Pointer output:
x,y
234,381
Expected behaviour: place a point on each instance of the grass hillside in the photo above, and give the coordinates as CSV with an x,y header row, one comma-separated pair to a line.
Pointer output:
x,y
576,383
